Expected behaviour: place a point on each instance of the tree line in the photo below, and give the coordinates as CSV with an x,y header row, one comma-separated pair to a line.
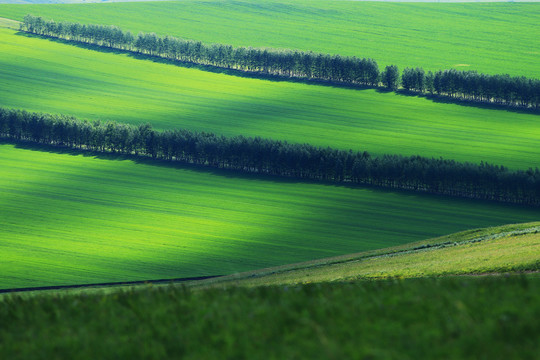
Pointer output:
x,y
465,85
268,61
279,158
472,86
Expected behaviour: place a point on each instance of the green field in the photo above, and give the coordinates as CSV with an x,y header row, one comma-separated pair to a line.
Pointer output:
x,y
43,75
8,23
489,37
73,219
313,270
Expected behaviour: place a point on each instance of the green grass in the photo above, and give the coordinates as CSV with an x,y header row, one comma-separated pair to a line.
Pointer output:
x,y
493,250
43,75
482,318
74,219
489,37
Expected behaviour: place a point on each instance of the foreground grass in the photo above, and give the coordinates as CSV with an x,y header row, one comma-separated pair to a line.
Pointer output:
x,y
43,75
453,318
489,37
74,219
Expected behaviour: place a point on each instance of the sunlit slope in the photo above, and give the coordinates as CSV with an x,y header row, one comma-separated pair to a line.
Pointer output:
x,y
489,37
511,248
71,219
43,75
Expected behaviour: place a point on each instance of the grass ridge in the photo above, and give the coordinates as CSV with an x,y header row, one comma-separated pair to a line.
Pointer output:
x,y
407,249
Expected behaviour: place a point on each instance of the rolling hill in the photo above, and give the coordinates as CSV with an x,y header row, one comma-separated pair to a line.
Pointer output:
x,y
379,289
503,249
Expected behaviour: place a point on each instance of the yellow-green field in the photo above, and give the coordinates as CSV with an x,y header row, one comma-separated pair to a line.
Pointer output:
x,y
8,23
494,250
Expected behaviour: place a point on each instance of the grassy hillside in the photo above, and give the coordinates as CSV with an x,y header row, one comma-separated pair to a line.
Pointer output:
x,y
43,75
493,250
8,23
71,219
489,37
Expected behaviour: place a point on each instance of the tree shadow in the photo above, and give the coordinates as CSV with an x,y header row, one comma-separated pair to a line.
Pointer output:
x,y
441,99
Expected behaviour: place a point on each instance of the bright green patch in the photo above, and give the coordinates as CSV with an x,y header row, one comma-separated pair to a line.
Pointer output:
x,y
489,37
43,75
70,219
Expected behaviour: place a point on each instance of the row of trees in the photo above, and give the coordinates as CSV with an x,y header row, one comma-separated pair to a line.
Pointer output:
x,y
472,86
466,85
269,61
265,156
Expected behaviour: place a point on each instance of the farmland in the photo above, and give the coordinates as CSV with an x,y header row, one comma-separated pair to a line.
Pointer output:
x,y
316,263
69,218
49,76
488,37
318,316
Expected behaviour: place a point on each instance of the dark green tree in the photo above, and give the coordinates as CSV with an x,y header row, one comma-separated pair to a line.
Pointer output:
x,y
390,77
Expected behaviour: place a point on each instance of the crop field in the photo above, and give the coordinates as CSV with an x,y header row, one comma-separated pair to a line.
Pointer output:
x,y
488,37
69,219
44,75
